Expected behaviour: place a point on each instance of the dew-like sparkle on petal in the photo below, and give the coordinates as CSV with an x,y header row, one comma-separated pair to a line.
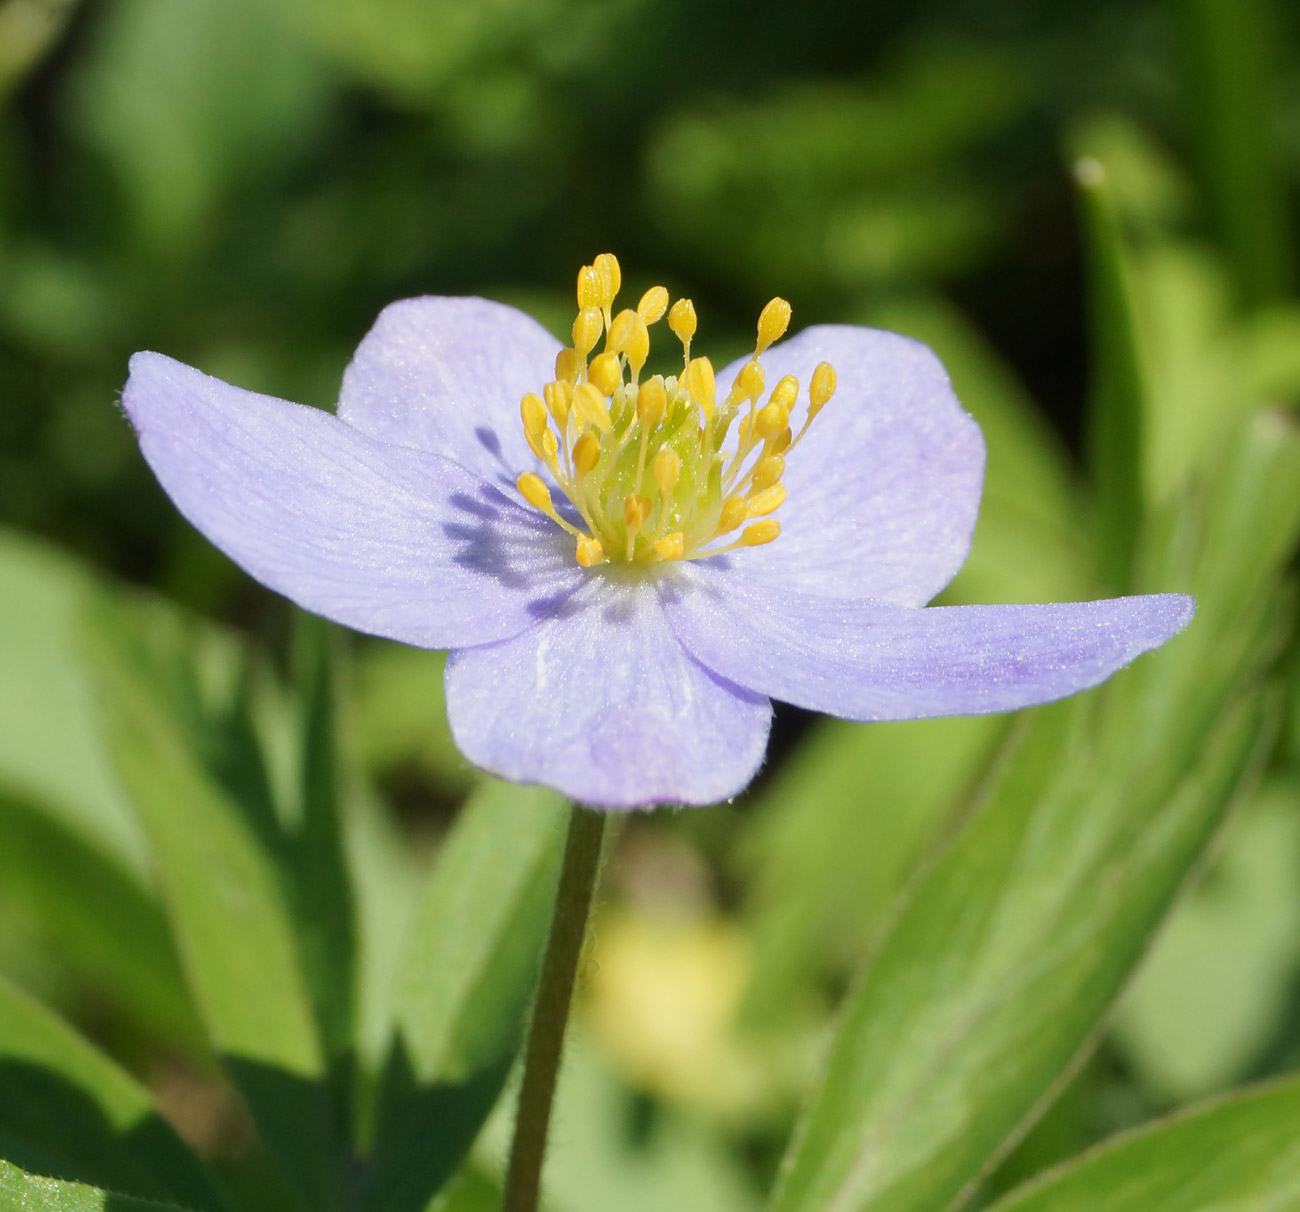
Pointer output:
x,y
646,464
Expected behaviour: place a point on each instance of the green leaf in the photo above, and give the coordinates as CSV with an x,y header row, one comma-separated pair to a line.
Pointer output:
x,y
463,989
51,753
400,717
1237,1154
1231,56
89,915
189,102
1118,403
326,922
69,1112
224,898
837,834
1213,988
21,1192
996,975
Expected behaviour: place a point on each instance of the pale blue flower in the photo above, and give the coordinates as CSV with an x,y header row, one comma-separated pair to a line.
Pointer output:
x,y
627,683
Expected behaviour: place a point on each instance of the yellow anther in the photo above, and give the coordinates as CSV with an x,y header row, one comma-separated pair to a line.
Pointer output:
x,y
637,348
767,471
760,533
611,277
605,374
586,330
653,304
765,502
559,399
770,420
734,511
621,330
681,319
773,320
589,551
590,288
700,383
660,470
636,509
533,413
821,388
785,393
651,401
586,454
542,444
566,365
667,469
589,404
750,380
671,546
533,489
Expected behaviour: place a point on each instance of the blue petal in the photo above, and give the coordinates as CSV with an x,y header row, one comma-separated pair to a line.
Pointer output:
x,y
387,540
874,661
884,489
446,375
601,703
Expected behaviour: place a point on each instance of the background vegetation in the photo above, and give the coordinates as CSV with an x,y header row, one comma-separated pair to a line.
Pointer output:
x,y
217,821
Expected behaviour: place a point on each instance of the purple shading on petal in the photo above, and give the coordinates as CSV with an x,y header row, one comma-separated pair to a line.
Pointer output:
x,y
600,702
446,376
884,489
388,540
872,661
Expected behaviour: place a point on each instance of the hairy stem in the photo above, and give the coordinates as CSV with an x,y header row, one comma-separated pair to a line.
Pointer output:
x,y
582,851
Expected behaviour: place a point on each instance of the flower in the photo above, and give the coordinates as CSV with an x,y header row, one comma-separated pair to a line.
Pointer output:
x,y
624,644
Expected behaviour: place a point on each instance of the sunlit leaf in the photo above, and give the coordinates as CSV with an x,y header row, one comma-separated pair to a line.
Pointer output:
x,y
997,974
1210,994
224,897
463,989
21,1192
69,1112
1236,1154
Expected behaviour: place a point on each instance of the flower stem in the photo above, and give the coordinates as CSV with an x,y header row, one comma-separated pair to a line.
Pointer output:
x,y
551,1011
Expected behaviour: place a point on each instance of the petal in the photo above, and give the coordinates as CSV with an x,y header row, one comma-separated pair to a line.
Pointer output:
x,y
870,661
388,540
601,703
884,489
447,375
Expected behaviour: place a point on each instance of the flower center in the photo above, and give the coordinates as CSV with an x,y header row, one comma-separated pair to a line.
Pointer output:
x,y
646,464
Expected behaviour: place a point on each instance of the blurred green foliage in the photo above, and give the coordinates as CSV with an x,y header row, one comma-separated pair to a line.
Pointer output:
x,y
1087,208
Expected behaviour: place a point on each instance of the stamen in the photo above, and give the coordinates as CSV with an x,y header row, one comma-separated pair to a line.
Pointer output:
x,y
586,330
700,383
586,454
767,501
653,305
760,533
670,547
773,320
611,277
590,287
681,319
605,374
589,551
644,464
